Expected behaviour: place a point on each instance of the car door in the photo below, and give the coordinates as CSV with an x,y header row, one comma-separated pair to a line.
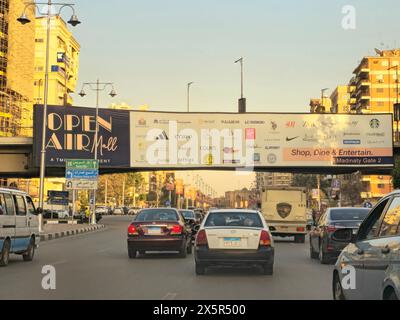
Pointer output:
x,y
378,254
9,225
22,232
33,221
365,254
7,220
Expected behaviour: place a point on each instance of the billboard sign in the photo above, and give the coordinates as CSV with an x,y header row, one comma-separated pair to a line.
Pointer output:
x,y
71,131
229,140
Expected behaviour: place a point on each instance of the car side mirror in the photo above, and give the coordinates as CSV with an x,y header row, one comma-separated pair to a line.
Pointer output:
x,y
344,235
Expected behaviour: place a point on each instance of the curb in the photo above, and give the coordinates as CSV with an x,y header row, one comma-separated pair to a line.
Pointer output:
x,y
62,234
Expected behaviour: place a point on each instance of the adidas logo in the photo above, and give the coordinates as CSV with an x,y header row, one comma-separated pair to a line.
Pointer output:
x,y
162,136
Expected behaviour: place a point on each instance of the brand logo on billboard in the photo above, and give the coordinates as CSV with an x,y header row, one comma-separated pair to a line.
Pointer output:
x,y
274,126
283,209
256,157
254,122
376,134
230,150
290,124
250,134
374,123
162,136
310,138
351,134
230,121
291,138
352,141
272,147
271,158
142,122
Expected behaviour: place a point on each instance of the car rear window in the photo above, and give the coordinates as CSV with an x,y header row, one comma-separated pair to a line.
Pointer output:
x,y
349,214
157,215
187,213
234,219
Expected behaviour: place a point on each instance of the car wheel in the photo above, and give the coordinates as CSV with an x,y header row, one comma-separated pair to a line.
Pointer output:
x,y
200,269
393,296
5,254
132,253
268,269
322,255
189,247
30,252
337,288
313,254
183,252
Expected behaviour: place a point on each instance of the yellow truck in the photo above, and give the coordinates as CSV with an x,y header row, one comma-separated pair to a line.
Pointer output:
x,y
285,210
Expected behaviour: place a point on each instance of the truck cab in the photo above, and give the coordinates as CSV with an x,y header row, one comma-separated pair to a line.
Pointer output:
x,y
285,210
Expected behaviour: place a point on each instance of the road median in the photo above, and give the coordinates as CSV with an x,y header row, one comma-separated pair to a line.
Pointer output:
x,y
65,230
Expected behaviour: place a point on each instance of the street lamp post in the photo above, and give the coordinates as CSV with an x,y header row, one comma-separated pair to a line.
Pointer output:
x,y
23,19
96,86
188,96
242,100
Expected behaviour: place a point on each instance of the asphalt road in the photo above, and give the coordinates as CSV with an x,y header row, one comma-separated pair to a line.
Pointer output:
x,y
96,266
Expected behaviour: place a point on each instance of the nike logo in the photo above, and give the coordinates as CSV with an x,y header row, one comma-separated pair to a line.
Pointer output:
x,y
290,139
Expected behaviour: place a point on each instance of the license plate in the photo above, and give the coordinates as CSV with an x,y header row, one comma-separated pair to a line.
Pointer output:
x,y
154,230
232,242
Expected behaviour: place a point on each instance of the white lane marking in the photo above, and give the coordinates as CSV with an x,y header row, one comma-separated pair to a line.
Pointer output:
x,y
169,296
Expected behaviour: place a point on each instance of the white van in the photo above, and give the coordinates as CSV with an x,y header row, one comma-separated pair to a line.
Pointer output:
x,y
19,225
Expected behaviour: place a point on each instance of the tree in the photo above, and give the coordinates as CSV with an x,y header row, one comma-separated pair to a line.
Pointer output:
x,y
396,173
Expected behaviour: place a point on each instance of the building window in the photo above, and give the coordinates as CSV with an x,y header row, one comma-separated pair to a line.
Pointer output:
x,y
380,186
380,90
380,104
40,40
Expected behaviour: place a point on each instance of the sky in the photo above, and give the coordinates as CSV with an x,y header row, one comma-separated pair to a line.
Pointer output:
x,y
291,48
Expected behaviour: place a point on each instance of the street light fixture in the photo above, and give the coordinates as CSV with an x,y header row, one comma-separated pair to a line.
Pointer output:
x,y
188,94
242,100
23,19
96,86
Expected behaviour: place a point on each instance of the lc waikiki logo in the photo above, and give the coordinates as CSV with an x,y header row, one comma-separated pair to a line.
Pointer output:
x,y
169,151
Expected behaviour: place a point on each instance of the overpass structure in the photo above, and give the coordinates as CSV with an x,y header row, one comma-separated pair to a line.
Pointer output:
x,y
283,142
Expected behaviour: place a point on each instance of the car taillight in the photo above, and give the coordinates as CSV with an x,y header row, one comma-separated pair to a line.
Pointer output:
x,y
201,238
265,239
176,229
132,230
331,228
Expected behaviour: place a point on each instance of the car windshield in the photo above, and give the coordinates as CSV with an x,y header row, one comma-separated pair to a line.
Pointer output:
x,y
157,215
349,214
187,213
227,219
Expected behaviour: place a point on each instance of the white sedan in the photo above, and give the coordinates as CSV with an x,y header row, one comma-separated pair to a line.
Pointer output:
x,y
234,237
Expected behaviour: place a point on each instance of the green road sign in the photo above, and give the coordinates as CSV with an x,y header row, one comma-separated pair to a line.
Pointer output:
x,y
76,164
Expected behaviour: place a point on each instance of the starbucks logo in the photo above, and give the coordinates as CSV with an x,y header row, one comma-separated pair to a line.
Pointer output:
x,y
374,123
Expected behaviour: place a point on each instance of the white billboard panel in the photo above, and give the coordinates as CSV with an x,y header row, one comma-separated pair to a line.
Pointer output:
x,y
162,139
